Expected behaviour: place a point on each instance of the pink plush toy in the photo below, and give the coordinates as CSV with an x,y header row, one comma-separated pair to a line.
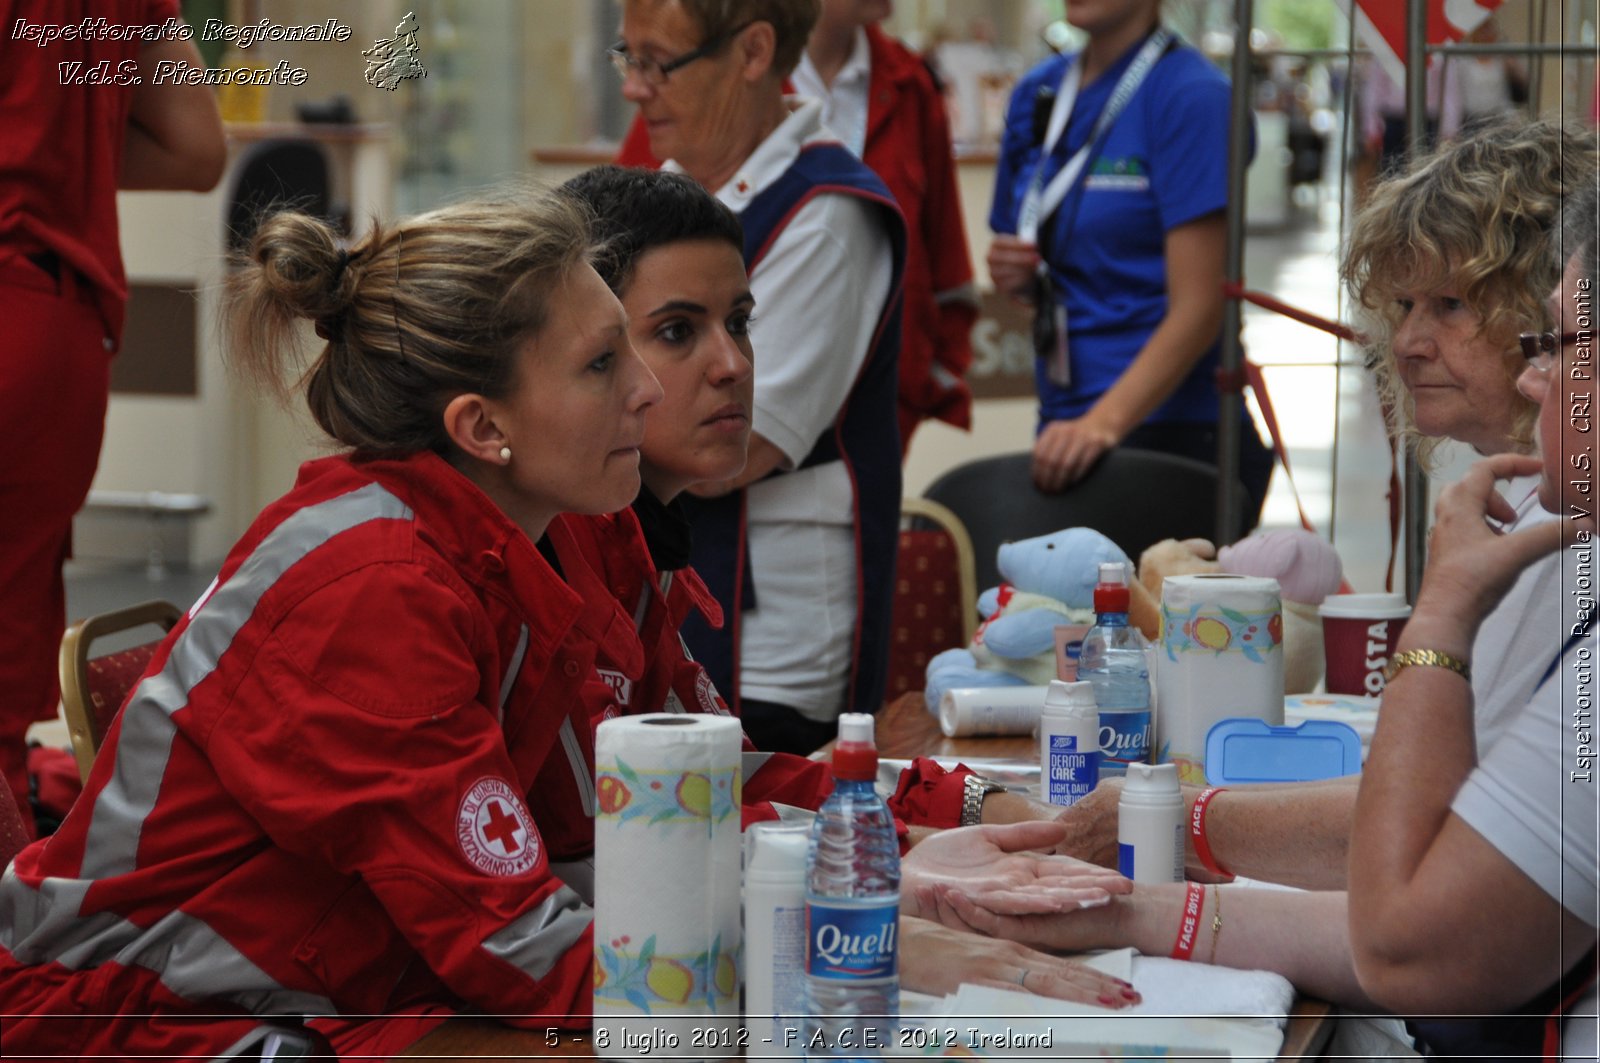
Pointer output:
x,y
1306,567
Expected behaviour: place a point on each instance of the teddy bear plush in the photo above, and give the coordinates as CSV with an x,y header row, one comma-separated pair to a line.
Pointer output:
x,y
1049,581
1305,565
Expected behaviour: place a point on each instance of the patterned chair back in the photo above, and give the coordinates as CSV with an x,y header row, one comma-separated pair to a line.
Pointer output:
x,y
935,593
94,688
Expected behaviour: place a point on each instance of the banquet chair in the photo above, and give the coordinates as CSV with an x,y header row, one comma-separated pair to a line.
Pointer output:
x,y
935,593
1135,498
94,688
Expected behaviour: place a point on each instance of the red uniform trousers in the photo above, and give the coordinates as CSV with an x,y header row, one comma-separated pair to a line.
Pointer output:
x,y
54,379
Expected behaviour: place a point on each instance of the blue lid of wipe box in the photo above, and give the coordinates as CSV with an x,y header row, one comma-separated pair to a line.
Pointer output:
x,y
1244,750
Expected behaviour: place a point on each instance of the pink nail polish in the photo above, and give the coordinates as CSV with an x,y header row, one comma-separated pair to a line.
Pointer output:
x,y
1109,1000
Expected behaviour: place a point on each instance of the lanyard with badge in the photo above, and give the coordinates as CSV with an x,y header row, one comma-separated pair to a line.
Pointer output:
x,y
1041,200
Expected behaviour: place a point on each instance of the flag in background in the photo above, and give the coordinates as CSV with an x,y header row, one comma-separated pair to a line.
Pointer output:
x,y
1381,25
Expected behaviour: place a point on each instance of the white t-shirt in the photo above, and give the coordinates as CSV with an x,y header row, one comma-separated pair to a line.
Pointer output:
x,y
819,290
1510,655
1533,795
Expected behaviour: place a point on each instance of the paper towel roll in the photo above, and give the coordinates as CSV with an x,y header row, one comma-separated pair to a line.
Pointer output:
x,y
1221,656
666,852
991,710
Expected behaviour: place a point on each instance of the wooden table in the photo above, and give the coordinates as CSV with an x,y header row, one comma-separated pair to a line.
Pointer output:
x,y
905,728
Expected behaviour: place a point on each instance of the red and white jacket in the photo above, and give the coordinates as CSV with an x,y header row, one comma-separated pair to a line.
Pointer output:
x,y
313,802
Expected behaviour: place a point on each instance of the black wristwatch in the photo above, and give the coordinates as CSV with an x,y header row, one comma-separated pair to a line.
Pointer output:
x,y
974,788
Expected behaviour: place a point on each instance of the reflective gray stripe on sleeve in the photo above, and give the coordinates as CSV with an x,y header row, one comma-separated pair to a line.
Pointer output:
x,y
540,937
582,773
197,963
640,609
510,680
966,293
41,926
147,727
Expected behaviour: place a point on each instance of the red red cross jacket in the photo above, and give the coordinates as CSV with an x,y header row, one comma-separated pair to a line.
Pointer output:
x,y
313,802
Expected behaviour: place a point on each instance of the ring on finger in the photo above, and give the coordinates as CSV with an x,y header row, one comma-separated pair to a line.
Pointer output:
x,y
1022,979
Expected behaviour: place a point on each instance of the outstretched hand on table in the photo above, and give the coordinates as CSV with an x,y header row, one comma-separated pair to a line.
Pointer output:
x,y
938,960
1002,869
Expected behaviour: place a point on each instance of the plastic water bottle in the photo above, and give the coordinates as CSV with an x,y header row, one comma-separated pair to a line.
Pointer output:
x,y
1113,662
1069,742
852,910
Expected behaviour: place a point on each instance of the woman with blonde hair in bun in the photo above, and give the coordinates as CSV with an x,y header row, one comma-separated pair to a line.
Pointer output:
x,y
314,803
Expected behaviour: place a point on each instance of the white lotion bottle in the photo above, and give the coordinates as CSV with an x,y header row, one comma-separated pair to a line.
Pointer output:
x,y
1069,743
1150,824
775,937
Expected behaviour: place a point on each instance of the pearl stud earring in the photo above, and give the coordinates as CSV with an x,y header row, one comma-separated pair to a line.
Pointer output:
x,y
505,453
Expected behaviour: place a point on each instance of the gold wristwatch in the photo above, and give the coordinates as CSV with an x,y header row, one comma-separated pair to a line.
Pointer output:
x,y
1429,658
974,788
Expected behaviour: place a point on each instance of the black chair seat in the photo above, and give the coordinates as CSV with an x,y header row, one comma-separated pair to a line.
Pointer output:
x,y
1135,498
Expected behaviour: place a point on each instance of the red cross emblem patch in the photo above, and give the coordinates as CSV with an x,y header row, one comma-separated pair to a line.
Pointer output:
x,y
494,829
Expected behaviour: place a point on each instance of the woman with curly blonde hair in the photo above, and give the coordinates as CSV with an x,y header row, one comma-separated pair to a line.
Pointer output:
x,y
1448,262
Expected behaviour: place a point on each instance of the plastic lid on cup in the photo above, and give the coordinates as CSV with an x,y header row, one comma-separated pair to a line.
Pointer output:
x,y
1365,606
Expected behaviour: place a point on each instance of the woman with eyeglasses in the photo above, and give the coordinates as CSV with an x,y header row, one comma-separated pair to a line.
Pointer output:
x,y
1450,261
1474,872
798,548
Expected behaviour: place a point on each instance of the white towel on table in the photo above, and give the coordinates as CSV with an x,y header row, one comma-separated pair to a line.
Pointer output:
x,y
1175,987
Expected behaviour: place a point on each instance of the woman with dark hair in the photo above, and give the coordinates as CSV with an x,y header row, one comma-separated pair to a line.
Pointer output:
x,y
798,549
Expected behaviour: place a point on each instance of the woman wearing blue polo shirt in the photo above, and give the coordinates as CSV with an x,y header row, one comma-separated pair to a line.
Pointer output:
x,y
1109,210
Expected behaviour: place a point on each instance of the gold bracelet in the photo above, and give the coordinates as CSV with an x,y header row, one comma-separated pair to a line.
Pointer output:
x,y
1430,658
1216,921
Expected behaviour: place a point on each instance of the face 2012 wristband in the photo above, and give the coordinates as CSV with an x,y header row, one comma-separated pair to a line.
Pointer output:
x,y
1193,901
1197,830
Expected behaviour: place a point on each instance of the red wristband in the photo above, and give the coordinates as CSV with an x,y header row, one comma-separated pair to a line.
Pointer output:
x,y
1197,829
1193,900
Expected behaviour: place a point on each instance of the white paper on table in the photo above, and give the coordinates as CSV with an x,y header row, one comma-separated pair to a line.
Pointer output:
x,y
1004,1024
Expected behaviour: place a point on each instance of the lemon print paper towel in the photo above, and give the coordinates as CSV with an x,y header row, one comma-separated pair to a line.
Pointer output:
x,y
666,854
1221,655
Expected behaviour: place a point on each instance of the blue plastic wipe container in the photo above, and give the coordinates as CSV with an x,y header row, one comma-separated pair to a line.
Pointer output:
x,y
1244,750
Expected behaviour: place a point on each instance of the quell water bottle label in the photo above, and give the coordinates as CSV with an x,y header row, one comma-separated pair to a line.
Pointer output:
x,y
1124,740
858,941
1073,772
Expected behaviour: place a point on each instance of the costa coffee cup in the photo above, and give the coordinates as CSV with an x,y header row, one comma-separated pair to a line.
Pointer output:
x,y
1359,632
